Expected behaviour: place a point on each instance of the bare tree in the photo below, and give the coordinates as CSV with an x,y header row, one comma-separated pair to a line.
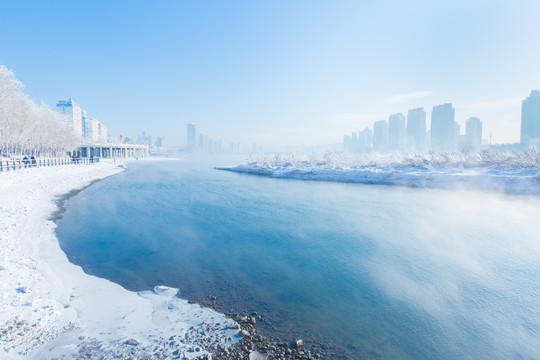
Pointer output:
x,y
27,127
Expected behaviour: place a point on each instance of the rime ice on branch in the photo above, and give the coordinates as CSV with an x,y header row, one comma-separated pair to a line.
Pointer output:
x,y
27,127
508,171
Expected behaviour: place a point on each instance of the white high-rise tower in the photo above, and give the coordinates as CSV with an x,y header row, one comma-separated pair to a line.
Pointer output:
x,y
73,113
530,119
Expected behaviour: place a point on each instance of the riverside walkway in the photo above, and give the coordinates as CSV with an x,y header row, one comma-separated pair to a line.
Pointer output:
x,y
109,151
85,154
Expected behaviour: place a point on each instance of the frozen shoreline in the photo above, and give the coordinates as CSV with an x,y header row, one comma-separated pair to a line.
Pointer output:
x,y
50,308
517,173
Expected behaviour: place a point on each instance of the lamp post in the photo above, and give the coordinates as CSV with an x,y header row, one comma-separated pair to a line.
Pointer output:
x,y
121,151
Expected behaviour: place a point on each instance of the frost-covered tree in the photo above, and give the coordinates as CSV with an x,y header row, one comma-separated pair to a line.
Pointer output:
x,y
27,127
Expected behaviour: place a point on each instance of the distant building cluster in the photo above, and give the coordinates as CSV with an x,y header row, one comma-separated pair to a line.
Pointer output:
x,y
158,146
409,133
202,143
88,129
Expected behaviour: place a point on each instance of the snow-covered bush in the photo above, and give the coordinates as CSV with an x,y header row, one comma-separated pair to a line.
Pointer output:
x,y
462,159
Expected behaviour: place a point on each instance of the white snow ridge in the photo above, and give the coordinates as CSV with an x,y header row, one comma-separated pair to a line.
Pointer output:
x,y
49,308
512,172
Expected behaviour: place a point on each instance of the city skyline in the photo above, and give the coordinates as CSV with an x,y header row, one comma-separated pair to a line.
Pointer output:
x,y
88,129
276,73
411,133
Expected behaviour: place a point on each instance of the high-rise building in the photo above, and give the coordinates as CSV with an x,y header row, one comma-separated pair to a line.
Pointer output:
x,y
90,130
85,126
160,142
416,129
444,128
73,114
354,142
473,133
380,135
396,131
530,119
365,139
145,139
191,136
346,142
203,141
103,136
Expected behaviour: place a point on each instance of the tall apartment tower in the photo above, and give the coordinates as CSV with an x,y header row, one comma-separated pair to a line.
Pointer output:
x,y
346,143
102,131
354,142
473,133
203,141
530,120
191,136
365,139
380,135
444,128
416,129
396,131
73,114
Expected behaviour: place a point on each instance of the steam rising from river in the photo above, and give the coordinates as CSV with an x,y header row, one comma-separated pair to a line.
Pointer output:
x,y
467,259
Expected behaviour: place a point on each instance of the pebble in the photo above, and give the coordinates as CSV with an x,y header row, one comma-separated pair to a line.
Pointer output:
x,y
131,342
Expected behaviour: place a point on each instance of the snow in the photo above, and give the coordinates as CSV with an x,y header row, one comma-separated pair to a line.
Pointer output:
x,y
49,308
514,172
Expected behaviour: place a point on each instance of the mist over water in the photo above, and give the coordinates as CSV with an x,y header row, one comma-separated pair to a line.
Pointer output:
x,y
381,271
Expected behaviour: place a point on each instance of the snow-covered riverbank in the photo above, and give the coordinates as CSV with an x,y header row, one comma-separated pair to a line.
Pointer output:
x,y
512,172
51,308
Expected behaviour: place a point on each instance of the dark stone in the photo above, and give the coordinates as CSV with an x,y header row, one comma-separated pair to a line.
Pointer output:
x,y
131,342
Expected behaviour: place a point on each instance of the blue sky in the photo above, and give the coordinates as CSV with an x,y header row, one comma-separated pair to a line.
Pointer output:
x,y
275,72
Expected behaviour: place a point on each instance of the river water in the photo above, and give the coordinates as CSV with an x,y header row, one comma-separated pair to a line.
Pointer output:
x,y
365,271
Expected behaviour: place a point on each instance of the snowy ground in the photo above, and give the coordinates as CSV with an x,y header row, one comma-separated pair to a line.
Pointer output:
x,y
49,308
514,172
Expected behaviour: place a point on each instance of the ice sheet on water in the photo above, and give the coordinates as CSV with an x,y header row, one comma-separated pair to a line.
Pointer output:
x,y
509,171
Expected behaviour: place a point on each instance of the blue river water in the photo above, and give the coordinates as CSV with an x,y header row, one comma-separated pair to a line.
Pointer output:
x,y
368,271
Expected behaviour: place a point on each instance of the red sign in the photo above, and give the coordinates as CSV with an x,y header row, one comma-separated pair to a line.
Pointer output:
x,y
120,137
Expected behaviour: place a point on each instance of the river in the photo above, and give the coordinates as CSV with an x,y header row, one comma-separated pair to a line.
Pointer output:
x,y
364,271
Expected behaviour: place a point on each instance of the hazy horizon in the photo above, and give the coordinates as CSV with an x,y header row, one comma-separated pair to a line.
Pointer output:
x,y
279,73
